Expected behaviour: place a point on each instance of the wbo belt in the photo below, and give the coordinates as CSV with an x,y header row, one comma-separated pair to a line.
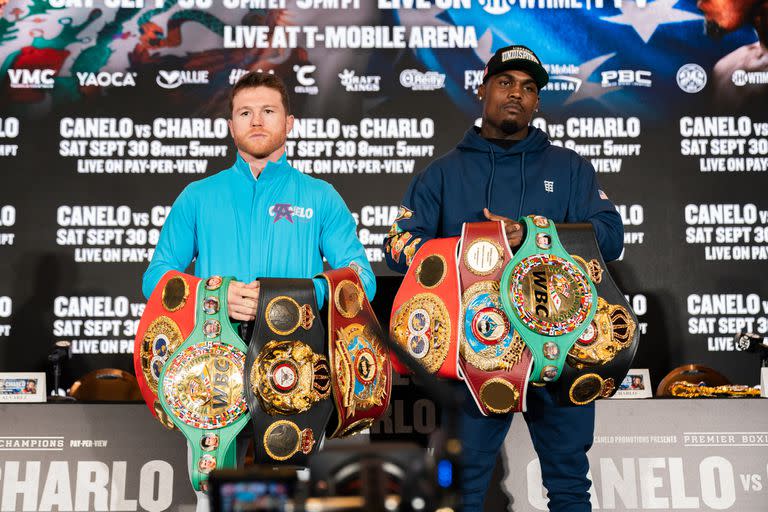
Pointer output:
x,y
360,365
168,320
201,386
287,376
548,297
425,312
494,360
603,353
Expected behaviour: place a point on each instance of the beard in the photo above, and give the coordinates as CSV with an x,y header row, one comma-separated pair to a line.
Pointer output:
x,y
260,149
510,127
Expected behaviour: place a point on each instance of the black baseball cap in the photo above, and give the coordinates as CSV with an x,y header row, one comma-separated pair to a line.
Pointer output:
x,y
517,57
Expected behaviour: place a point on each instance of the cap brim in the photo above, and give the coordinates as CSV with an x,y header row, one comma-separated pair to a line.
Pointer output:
x,y
537,72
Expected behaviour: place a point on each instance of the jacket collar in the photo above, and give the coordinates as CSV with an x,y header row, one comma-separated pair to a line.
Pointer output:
x,y
272,171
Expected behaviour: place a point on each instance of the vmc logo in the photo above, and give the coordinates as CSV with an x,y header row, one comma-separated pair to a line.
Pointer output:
x,y
31,78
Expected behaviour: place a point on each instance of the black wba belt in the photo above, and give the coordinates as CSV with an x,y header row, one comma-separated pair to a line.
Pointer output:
x,y
287,377
602,355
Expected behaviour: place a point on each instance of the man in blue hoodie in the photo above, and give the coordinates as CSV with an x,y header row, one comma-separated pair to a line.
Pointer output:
x,y
261,217
503,171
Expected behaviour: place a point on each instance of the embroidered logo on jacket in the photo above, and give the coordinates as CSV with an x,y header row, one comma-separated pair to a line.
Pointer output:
x,y
288,212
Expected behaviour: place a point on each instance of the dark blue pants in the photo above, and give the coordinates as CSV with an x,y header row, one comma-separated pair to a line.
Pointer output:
x,y
561,437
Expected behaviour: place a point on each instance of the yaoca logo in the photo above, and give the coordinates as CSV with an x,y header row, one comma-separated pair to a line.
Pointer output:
x,y
31,78
106,79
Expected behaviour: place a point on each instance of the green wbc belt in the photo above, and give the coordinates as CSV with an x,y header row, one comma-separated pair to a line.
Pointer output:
x,y
548,297
201,386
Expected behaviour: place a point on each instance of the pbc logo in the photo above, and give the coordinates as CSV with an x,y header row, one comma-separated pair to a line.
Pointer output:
x,y
173,79
307,84
288,212
31,78
625,78
105,79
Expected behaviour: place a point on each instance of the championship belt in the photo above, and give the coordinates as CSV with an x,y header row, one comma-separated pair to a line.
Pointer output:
x,y
425,312
201,386
494,359
548,297
168,320
360,368
603,353
287,378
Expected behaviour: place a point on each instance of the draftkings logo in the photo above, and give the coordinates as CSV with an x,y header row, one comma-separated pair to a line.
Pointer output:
x,y
307,84
173,79
422,81
289,212
354,83
106,79
31,78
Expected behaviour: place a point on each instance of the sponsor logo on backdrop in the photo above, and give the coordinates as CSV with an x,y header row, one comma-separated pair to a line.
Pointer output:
x,y
107,79
625,78
422,81
364,83
31,78
307,84
473,78
175,78
691,78
497,7
237,74
562,77
741,78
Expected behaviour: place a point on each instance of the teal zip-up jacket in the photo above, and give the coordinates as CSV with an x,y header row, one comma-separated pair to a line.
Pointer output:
x,y
279,225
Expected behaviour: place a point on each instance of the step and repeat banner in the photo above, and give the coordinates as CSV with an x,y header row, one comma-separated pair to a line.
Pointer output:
x,y
109,108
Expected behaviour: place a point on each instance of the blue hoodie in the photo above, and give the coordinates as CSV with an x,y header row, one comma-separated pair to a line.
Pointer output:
x,y
279,225
530,177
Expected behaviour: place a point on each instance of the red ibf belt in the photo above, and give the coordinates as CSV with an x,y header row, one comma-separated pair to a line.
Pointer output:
x,y
425,312
168,320
493,358
360,365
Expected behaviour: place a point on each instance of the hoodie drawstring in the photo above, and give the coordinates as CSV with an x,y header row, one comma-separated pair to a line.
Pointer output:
x,y
522,191
490,182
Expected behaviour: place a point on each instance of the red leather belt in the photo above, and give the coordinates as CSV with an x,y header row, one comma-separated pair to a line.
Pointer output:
x,y
493,358
168,319
360,365
425,312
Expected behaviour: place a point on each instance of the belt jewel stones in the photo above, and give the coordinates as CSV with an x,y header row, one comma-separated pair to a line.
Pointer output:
x,y
287,377
161,339
611,331
283,439
204,385
550,295
488,341
359,368
422,326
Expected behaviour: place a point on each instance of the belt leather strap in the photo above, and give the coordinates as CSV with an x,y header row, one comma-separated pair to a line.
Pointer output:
x,y
425,312
201,386
493,358
360,365
168,320
287,376
601,357
548,297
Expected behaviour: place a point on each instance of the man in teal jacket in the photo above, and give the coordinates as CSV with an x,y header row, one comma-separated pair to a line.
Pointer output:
x,y
261,217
